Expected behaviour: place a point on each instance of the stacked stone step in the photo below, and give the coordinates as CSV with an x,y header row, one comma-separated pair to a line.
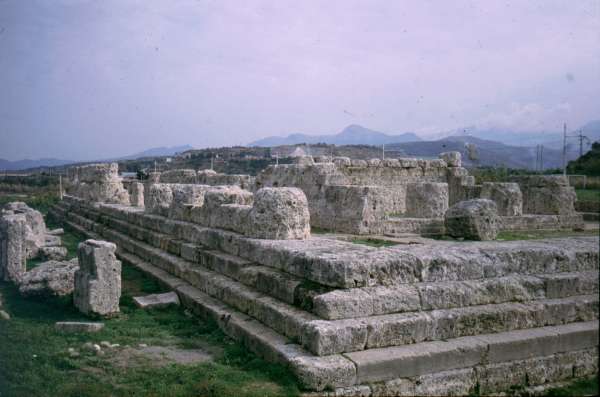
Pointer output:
x,y
332,323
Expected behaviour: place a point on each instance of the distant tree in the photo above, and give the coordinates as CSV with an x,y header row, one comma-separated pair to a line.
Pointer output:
x,y
588,164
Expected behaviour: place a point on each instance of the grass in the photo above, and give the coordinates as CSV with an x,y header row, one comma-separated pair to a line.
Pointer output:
x,y
588,194
540,234
580,387
34,359
41,201
373,242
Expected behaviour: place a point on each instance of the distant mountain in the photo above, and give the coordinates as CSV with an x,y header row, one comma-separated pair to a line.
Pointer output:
x,y
487,152
7,165
158,152
549,139
351,135
48,162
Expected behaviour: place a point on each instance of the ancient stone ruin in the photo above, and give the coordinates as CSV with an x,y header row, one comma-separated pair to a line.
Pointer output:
x,y
433,318
23,236
98,279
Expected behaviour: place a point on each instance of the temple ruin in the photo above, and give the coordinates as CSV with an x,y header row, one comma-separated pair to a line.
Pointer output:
x,y
438,317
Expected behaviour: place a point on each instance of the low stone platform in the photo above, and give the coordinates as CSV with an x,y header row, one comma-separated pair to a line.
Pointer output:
x,y
433,318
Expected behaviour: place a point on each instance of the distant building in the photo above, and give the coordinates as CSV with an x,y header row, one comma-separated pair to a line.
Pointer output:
x,y
298,152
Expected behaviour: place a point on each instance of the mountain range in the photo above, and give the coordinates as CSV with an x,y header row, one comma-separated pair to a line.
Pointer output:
x,y
351,135
51,162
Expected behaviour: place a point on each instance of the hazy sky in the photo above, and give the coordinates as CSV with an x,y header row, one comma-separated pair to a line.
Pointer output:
x,y
92,79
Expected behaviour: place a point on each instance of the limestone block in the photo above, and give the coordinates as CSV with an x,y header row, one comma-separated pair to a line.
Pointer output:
x,y
323,159
453,159
408,162
53,253
136,194
304,160
358,163
279,214
13,231
342,161
184,196
473,220
156,301
77,326
211,213
374,162
507,196
179,176
159,199
98,280
50,278
98,183
426,200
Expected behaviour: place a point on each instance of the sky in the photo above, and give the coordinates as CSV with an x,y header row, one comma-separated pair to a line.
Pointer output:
x,y
83,80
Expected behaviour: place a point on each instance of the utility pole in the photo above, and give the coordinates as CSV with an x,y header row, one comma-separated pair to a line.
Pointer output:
x,y
564,153
541,157
60,190
383,152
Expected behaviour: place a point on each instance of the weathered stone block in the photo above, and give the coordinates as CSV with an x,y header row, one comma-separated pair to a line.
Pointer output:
x,y
279,214
426,200
53,278
473,220
453,159
507,196
98,280
77,326
13,231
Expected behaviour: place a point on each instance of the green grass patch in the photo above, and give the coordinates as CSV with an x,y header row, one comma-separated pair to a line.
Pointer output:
x,y
40,201
34,359
541,234
588,194
373,242
580,387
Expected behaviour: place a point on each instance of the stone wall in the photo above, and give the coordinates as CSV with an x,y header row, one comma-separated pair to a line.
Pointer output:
x,y
269,214
98,183
357,196
205,177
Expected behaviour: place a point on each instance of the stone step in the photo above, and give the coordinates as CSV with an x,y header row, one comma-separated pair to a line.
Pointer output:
x,y
378,365
280,285
332,337
344,373
396,299
346,265
324,337
369,301
284,318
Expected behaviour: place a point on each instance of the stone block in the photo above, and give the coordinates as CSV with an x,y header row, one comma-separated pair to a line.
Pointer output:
x,y
53,253
426,200
77,326
13,231
507,196
453,159
156,301
98,280
473,220
279,214
52,278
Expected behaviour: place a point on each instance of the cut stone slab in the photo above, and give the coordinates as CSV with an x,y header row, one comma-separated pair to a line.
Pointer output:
x,y
56,232
156,301
76,326
4,315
